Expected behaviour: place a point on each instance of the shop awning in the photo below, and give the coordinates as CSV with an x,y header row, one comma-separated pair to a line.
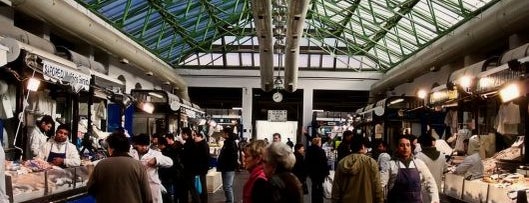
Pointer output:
x,y
469,73
442,95
492,79
53,67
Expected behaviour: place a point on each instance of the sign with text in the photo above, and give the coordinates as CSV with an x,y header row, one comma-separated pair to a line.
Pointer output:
x,y
55,71
277,115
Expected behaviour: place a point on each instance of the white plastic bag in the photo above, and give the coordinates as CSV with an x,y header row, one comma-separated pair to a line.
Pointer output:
x,y
327,186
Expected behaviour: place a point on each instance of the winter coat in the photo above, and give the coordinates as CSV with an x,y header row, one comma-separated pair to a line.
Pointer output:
x,y
316,159
228,156
123,174
357,179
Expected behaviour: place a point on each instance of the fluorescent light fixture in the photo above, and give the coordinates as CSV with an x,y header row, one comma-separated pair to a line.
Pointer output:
x,y
236,108
486,82
318,110
156,95
33,84
396,101
147,107
422,94
465,81
510,92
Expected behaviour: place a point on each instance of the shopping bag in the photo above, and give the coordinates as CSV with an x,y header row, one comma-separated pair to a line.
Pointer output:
x,y
198,184
327,187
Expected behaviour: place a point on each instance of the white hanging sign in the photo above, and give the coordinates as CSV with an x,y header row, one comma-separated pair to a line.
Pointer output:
x,y
54,71
277,115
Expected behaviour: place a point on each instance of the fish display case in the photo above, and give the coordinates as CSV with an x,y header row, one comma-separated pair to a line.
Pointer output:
x,y
52,184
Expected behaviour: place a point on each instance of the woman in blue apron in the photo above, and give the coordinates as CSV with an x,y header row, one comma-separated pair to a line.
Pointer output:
x,y
407,176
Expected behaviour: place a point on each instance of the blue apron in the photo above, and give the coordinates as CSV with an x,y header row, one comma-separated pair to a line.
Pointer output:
x,y
53,155
407,187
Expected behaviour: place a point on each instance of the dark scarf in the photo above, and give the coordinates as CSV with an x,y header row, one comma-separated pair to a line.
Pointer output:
x,y
431,152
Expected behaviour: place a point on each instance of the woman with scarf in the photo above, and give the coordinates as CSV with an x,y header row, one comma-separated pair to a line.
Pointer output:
x,y
253,161
406,176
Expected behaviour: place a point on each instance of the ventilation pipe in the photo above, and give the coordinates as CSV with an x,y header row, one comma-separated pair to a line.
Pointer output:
x,y
501,20
262,15
79,21
10,31
295,24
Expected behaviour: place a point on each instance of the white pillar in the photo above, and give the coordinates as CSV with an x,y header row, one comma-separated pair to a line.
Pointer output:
x,y
247,99
308,95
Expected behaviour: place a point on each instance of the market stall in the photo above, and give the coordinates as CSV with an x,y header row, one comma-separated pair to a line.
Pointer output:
x,y
499,99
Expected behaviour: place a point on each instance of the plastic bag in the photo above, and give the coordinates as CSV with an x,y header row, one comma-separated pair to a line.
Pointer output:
x,y
198,184
327,187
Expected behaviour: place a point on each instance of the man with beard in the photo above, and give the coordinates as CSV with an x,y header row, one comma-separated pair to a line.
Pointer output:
x,y
58,151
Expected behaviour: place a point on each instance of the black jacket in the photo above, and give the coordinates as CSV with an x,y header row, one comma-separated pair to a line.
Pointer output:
x,y
174,173
280,188
202,158
316,161
300,169
228,156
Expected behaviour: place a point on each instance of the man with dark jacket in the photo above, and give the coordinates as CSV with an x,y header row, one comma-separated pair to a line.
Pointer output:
x,y
190,166
300,169
202,159
344,148
172,178
227,163
318,168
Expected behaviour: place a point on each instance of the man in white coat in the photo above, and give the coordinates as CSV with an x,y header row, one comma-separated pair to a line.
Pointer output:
x,y
38,137
472,166
434,160
58,151
152,160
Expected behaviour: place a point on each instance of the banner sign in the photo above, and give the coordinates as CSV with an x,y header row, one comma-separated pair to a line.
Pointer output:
x,y
55,71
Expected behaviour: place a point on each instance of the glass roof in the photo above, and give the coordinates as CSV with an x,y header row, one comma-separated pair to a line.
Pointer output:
x,y
360,35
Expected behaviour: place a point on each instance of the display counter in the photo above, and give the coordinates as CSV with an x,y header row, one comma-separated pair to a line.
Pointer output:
x,y
502,189
46,185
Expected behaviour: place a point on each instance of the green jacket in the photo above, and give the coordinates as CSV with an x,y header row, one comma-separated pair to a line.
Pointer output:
x,y
357,179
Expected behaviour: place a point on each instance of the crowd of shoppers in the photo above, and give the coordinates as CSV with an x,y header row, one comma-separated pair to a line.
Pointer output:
x,y
276,172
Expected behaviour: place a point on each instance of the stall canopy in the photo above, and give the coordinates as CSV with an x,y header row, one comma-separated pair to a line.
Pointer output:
x,y
441,95
52,67
492,79
466,78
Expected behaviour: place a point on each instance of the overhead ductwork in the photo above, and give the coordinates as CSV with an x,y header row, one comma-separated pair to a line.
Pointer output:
x,y
501,20
79,21
10,31
295,23
262,14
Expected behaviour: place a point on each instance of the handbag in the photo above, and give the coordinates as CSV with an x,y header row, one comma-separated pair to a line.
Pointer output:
x,y
198,185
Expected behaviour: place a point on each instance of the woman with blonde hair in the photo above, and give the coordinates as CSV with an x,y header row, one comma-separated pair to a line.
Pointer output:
x,y
253,161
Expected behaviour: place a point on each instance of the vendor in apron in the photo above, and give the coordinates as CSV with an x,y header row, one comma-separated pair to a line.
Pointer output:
x,y
58,151
406,176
